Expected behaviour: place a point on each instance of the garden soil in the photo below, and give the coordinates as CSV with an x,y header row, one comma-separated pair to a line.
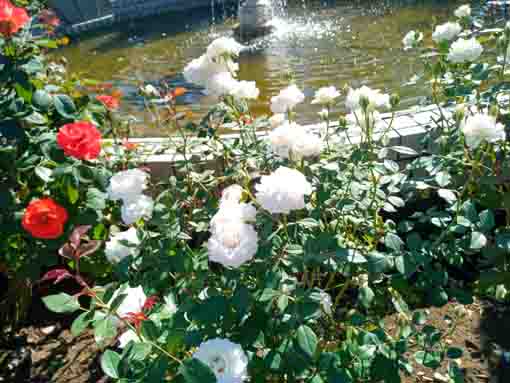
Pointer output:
x,y
484,334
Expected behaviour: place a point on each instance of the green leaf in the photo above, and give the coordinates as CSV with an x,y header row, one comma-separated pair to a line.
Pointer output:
x,y
454,353
443,179
42,100
81,322
377,262
195,371
307,340
393,241
105,329
110,361
44,173
149,330
478,240
366,296
96,199
487,220
65,106
61,303
431,359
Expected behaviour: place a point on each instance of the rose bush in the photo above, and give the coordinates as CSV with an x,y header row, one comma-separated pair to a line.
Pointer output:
x,y
266,259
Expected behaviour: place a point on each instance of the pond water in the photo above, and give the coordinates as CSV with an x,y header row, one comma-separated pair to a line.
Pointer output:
x,y
318,43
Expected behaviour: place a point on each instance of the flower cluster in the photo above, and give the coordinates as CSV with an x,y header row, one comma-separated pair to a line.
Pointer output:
x,y
446,32
290,140
465,50
216,71
12,18
234,240
283,191
287,99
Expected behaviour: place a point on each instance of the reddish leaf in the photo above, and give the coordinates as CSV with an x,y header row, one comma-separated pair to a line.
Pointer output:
x,y
58,275
88,248
78,232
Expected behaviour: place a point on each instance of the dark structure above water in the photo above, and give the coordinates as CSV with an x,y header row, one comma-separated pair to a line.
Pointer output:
x,y
84,15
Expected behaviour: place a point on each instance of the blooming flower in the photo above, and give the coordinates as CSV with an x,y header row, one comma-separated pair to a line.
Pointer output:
x,y
150,91
232,193
232,244
463,11
80,139
116,251
127,185
44,219
231,211
287,99
128,336
226,359
373,97
223,46
277,119
132,303
110,102
326,95
292,140
136,208
12,18
411,39
446,32
283,190
220,84
482,127
246,90
464,50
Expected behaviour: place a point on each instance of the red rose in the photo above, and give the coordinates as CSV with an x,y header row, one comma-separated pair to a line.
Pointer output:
x,y
80,140
109,102
12,18
45,219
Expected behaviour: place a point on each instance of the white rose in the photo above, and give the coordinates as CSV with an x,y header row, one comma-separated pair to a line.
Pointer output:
x,y
446,32
292,140
115,251
136,208
373,97
464,50
223,46
200,70
463,11
133,302
246,90
226,359
326,96
232,193
128,184
220,84
128,336
232,244
482,127
277,119
287,99
411,39
283,191
150,91
232,212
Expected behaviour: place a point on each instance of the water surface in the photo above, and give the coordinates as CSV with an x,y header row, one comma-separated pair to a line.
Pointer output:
x,y
318,43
